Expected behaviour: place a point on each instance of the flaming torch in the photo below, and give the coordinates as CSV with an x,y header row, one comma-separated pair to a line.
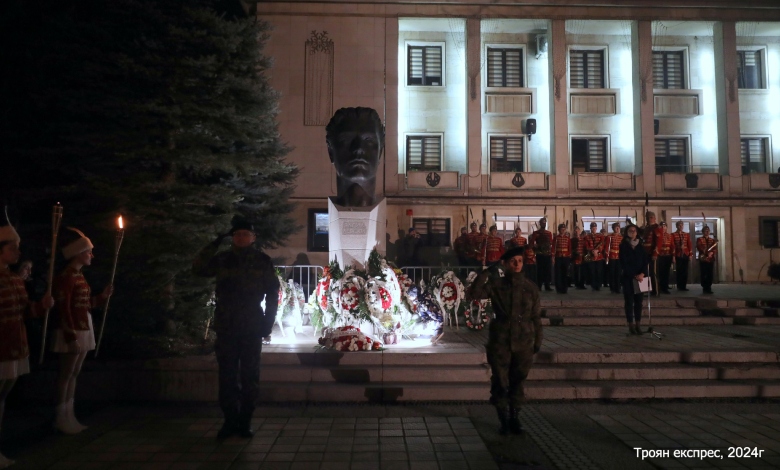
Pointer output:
x,y
56,220
120,235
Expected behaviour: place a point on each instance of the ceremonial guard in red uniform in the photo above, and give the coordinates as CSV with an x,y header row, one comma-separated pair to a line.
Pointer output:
x,y
614,273
649,242
529,257
541,243
14,307
594,249
708,250
683,249
577,258
479,244
562,252
665,250
75,335
472,246
494,246
461,247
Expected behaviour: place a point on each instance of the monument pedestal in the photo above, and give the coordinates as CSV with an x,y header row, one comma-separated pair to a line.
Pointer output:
x,y
354,231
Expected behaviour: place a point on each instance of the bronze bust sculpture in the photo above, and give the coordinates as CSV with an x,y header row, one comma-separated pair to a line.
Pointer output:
x,y
355,138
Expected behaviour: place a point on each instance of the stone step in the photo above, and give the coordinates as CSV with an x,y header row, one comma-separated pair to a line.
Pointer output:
x,y
656,357
705,371
389,392
620,320
616,301
601,312
374,374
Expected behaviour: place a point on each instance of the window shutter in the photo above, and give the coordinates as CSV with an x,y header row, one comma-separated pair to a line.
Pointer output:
x,y
586,69
595,69
505,67
415,66
423,152
506,154
576,69
668,70
425,65
433,65
749,70
597,155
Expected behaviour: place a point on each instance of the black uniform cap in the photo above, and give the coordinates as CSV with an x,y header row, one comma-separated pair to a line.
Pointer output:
x,y
240,223
512,252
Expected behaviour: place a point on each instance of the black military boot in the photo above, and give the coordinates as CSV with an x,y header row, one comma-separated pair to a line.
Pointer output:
x,y
514,421
228,429
245,426
503,419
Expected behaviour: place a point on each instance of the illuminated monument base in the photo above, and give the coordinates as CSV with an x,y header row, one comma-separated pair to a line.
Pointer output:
x,y
355,231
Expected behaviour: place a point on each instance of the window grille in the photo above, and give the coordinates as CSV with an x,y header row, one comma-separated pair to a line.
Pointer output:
x,y
423,152
671,156
504,67
586,68
425,66
669,70
506,154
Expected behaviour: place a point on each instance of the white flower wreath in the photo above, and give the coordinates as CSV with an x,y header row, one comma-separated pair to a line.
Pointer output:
x,y
449,293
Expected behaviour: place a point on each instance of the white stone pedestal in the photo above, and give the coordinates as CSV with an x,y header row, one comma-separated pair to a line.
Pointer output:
x,y
354,231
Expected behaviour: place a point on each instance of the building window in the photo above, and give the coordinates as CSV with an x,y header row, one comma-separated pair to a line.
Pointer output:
x,y
504,67
506,154
425,65
433,232
423,152
750,69
669,70
769,227
586,68
671,156
754,150
588,155
318,230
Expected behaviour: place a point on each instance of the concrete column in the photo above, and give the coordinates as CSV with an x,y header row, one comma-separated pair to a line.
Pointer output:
x,y
727,99
391,180
473,104
642,62
558,104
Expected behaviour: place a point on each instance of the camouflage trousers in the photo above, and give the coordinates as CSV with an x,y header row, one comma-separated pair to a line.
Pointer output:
x,y
238,357
509,370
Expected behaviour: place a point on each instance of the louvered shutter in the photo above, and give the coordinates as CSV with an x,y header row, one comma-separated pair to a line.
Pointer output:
x,y
586,68
597,155
749,70
423,152
668,70
425,66
506,154
505,67
753,154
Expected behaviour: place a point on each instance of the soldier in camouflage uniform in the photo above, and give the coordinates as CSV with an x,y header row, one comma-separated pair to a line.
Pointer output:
x,y
515,334
245,277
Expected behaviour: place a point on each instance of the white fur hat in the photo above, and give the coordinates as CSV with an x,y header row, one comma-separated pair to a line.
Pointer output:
x,y
75,244
7,232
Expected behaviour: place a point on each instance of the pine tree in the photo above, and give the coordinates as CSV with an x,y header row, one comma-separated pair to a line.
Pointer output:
x,y
160,110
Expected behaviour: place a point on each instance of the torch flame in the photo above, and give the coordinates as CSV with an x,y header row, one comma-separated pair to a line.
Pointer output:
x,y
119,221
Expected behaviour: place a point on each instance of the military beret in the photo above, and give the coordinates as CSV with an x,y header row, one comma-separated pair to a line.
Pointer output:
x,y
512,252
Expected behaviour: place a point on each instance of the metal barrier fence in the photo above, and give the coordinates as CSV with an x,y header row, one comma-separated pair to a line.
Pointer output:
x,y
425,273
305,275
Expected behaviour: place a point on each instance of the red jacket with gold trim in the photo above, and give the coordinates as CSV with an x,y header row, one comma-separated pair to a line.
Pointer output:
x,y
14,306
73,299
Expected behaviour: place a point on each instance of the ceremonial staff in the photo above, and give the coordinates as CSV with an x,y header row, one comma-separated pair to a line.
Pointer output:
x,y
120,235
56,220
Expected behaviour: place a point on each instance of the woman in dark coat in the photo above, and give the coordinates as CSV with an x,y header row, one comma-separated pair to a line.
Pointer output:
x,y
634,262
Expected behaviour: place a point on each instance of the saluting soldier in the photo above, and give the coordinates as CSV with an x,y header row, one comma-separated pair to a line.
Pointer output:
x,y
461,246
665,250
494,246
613,258
514,336
683,248
541,243
595,250
245,277
649,242
708,250
562,244
578,253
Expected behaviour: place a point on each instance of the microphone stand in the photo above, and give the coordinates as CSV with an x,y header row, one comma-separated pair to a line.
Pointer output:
x,y
650,330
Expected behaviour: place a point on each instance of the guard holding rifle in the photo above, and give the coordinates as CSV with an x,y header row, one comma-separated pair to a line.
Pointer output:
x,y
541,243
594,253
665,250
562,244
478,244
461,247
682,255
578,255
613,258
707,248
472,247
494,246
649,242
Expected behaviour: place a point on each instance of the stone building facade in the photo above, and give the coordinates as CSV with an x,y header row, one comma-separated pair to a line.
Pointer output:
x,y
502,112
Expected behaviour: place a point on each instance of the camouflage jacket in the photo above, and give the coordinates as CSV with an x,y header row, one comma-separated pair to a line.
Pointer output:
x,y
515,300
245,277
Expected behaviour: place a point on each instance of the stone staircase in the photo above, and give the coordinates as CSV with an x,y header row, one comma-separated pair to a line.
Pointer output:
x,y
665,312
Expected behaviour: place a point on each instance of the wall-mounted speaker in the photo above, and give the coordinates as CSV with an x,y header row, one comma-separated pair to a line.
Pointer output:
x,y
656,126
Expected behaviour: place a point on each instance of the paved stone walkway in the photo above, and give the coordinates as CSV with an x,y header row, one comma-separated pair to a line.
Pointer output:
x,y
423,436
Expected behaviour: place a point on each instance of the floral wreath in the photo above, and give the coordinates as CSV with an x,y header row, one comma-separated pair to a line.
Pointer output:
x,y
347,339
449,293
479,311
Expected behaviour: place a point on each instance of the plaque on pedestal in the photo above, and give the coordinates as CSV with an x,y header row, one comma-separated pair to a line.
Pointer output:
x,y
355,231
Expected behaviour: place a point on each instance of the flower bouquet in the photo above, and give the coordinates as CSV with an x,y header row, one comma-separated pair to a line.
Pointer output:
x,y
348,339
